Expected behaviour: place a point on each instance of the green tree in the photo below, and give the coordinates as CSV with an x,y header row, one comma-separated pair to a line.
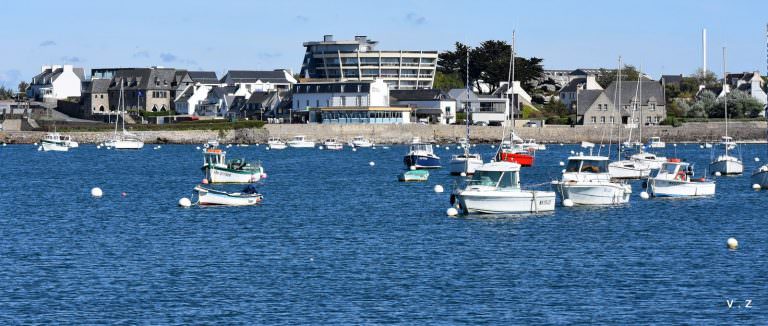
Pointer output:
x,y
489,63
704,105
705,78
23,87
554,108
740,105
448,81
5,93
607,76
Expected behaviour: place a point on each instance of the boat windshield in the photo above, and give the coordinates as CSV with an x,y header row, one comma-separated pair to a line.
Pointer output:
x,y
668,168
494,178
421,148
588,166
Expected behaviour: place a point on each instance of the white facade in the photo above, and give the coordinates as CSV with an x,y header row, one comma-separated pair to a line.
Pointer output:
x,y
340,94
188,105
446,107
56,83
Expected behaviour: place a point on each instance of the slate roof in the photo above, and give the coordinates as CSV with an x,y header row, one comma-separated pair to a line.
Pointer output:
x,y
650,89
418,95
672,79
260,97
585,99
50,75
144,78
251,76
204,77
459,94
573,85
188,92
100,85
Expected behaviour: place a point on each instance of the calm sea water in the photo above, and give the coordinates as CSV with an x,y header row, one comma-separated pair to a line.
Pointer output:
x,y
337,241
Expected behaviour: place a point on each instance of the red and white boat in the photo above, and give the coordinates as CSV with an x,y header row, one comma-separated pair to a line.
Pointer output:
x,y
514,151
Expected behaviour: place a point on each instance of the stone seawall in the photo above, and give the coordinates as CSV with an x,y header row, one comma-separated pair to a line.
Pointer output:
x,y
392,134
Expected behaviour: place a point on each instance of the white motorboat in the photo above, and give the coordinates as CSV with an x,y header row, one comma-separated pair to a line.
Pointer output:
x,y
276,143
124,140
218,169
421,156
676,179
211,143
495,189
760,177
586,181
726,163
300,141
54,141
465,163
639,165
360,141
332,144
656,142
532,145
206,196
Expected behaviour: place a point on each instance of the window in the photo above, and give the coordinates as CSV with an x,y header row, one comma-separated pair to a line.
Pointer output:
x,y
594,119
653,106
602,120
447,109
318,103
613,120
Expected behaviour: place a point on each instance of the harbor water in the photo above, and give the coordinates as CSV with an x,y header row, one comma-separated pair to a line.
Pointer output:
x,y
340,241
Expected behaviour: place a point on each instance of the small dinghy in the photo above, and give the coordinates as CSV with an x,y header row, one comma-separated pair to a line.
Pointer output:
x,y
414,175
207,196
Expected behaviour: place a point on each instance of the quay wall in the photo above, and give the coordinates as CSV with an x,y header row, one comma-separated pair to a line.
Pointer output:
x,y
751,131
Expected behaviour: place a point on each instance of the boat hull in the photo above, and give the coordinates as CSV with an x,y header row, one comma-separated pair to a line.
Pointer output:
x,y
54,147
216,174
499,202
277,146
301,144
465,165
124,144
760,178
628,170
421,161
519,158
334,147
674,188
209,197
726,167
593,193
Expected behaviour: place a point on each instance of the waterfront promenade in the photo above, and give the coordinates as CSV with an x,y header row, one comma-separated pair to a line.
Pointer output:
x,y
743,131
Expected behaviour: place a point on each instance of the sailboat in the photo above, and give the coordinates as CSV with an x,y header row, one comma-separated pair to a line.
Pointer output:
x,y
640,164
124,140
466,162
726,164
760,176
513,150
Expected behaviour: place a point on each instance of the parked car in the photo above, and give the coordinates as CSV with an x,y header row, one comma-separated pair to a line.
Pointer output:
x,y
531,124
481,123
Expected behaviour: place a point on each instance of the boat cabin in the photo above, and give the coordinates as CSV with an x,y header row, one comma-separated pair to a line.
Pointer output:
x,y
587,164
674,169
214,156
501,175
299,138
421,148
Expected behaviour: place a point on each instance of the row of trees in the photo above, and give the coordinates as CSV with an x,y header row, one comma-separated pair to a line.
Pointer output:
x,y
8,93
488,63
707,105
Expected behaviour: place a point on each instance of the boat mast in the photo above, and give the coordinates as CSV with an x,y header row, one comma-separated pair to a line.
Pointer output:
x,y
466,145
119,104
615,109
640,105
725,103
512,80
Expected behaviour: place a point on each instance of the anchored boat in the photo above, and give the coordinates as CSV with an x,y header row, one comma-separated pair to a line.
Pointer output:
x,y
276,143
360,141
414,175
421,156
207,196
332,144
586,181
300,141
676,179
495,189
218,169
54,141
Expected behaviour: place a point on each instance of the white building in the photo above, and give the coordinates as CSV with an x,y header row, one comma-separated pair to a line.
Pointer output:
x,y
346,102
56,83
190,98
428,105
251,81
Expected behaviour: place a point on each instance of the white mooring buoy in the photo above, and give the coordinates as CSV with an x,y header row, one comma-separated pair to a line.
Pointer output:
x,y
568,203
463,174
185,202
756,186
412,168
96,192
733,244
438,188
757,159
717,174
452,211
371,163
644,195
562,163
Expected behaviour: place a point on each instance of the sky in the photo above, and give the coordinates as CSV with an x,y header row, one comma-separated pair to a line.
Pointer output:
x,y
659,36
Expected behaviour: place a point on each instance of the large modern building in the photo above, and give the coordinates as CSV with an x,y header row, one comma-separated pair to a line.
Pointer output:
x,y
359,60
346,102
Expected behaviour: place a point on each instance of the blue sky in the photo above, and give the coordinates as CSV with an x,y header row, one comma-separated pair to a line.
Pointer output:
x,y
662,36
